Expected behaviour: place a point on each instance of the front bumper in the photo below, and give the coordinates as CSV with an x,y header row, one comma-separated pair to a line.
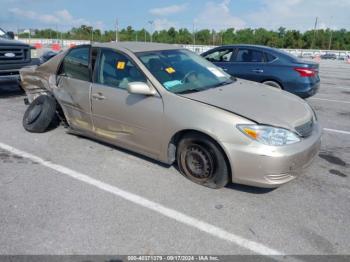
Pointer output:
x,y
9,76
9,73
268,166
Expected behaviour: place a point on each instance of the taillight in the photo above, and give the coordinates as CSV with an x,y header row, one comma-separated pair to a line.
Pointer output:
x,y
306,72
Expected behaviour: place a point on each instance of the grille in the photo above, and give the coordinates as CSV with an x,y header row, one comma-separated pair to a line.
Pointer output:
x,y
305,130
14,54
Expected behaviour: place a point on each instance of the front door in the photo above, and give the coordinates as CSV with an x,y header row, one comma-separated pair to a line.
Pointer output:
x,y
222,58
74,86
130,120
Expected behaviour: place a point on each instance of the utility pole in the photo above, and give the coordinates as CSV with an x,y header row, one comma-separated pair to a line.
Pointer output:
x,y
116,29
315,32
194,34
57,37
151,29
331,36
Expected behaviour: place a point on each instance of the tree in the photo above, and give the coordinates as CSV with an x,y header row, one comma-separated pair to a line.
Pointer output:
x,y
281,38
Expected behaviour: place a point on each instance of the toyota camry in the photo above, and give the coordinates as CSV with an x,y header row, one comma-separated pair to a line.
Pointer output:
x,y
172,105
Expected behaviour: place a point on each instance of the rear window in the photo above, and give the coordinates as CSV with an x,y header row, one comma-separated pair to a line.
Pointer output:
x,y
269,57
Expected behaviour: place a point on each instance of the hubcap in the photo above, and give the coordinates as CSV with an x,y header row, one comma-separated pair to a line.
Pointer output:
x,y
198,162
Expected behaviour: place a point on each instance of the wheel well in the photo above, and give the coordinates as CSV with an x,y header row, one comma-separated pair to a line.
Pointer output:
x,y
59,110
60,113
273,80
172,147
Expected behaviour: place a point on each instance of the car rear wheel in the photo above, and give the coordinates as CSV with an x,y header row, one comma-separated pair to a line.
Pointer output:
x,y
273,84
40,114
202,161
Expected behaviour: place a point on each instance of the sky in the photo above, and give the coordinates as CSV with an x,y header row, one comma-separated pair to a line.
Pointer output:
x,y
211,14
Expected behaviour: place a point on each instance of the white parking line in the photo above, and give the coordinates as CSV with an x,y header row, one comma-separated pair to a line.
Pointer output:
x,y
329,100
158,208
336,131
340,87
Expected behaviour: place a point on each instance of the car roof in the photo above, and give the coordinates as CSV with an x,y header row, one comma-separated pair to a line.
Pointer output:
x,y
252,46
136,47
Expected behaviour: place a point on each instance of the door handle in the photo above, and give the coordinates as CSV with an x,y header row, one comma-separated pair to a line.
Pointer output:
x,y
98,96
258,71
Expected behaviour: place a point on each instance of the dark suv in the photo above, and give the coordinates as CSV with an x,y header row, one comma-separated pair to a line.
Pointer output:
x,y
13,56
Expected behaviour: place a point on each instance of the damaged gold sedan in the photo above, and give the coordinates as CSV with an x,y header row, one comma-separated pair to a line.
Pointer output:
x,y
171,105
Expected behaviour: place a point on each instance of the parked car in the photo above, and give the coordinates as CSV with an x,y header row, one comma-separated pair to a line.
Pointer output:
x,y
46,56
14,55
342,56
172,105
329,56
269,66
309,55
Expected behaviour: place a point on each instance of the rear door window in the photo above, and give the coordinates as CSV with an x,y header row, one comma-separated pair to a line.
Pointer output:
x,y
76,64
246,55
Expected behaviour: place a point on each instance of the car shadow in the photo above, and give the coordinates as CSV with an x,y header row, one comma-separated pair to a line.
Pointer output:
x,y
242,188
238,187
123,150
250,189
10,90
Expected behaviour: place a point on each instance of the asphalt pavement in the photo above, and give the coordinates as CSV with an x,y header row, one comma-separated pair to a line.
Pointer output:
x,y
65,194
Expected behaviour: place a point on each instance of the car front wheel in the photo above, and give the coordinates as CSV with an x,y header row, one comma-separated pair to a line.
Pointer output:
x,y
202,161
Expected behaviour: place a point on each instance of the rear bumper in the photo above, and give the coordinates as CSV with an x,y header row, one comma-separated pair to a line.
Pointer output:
x,y
304,90
269,167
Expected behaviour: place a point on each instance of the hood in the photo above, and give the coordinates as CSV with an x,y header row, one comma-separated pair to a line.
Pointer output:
x,y
261,103
4,41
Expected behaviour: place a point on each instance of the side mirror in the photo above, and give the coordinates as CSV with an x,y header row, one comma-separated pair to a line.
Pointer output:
x,y
10,35
140,88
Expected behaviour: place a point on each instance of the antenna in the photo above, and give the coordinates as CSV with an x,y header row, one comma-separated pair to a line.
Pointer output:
x,y
331,36
314,38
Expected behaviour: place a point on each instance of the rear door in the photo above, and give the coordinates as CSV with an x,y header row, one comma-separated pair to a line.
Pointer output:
x,y
248,63
74,84
130,120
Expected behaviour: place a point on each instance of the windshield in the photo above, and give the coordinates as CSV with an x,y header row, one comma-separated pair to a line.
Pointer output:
x,y
181,71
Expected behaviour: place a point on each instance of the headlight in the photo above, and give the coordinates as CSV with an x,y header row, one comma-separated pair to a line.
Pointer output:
x,y
268,135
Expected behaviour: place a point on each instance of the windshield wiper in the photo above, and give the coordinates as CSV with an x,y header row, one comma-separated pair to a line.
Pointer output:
x,y
188,91
221,84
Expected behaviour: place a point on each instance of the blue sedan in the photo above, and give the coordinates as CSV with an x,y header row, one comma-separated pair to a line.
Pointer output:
x,y
267,65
